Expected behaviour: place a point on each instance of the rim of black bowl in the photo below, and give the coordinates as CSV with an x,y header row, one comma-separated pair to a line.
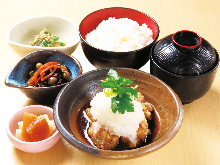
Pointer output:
x,y
139,151
30,87
136,21
184,76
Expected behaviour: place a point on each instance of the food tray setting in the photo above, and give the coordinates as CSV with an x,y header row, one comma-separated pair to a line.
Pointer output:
x,y
111,84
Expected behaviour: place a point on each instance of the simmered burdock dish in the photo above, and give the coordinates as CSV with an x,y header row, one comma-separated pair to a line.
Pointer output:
x,y
118,118
49,74
42,74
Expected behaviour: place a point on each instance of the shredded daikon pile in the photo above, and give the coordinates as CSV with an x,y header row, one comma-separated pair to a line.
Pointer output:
x,y
125,124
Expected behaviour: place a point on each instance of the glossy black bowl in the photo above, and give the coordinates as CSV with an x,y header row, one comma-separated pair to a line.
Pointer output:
x,y
19,76
102,58
186,62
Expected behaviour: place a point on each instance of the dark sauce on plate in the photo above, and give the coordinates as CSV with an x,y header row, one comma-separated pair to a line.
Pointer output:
x,y
153,125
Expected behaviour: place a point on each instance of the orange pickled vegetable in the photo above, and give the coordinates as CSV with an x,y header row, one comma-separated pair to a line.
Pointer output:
x,y
38,130
42,74
27,120
33,79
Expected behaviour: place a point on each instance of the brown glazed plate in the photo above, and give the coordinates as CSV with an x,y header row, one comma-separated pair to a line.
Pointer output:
x,y
75,95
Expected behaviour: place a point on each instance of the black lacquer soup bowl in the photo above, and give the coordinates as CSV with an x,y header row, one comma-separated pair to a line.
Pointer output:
x,y
186,62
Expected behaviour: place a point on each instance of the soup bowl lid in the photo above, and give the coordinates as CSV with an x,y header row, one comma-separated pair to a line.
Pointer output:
x,y
185,53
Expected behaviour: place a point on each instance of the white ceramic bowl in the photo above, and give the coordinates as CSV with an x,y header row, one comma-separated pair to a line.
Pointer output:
x,y
20,35
32,147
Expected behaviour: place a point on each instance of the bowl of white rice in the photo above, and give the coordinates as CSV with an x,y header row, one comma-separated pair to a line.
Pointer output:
x,y
118,37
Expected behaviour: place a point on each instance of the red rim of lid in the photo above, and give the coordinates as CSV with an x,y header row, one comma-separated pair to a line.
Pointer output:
x,y
189,47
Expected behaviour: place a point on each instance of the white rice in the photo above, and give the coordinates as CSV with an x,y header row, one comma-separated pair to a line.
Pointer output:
x,y
125,124
120,35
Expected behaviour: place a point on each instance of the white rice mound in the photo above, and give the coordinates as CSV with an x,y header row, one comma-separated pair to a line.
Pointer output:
x,y
120,35
125,124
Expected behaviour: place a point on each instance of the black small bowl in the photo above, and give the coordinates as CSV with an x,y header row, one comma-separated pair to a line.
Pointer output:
x,y
186,62
20,74
102,58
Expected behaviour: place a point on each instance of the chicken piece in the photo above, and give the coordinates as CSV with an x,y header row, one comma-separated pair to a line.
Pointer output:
x,y
88,113
140,97
142,132
103,138
147,108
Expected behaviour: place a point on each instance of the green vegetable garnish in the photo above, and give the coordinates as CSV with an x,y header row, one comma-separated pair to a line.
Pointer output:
x,y
62,44
46,39
56,38
116,87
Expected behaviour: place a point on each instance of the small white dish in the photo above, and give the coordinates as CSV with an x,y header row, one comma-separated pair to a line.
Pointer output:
x,y
20,35
31,147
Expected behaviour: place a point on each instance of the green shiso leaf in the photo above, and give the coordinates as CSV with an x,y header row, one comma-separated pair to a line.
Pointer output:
x,y
115,86
109,83
124,81
122,104
127,90
114,104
